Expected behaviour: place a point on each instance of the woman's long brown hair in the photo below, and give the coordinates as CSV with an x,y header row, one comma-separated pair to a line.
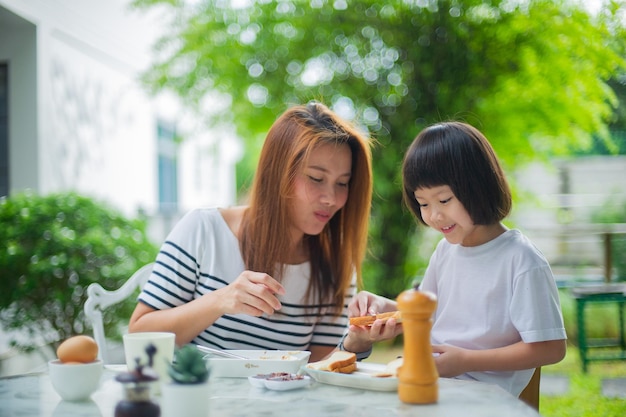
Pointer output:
x,y
338,251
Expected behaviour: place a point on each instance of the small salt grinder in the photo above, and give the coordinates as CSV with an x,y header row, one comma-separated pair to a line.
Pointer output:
x,y
418,375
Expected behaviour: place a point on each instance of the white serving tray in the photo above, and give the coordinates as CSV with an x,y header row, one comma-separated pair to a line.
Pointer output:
x,y
258,362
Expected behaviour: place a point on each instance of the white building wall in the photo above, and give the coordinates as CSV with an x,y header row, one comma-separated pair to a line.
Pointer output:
x,y
85,122
98,129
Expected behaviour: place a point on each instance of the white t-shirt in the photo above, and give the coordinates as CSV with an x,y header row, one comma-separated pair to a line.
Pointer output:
x,y
494,295
201,255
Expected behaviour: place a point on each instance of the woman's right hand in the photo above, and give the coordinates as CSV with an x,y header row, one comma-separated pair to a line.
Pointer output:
x,y
366,303
252,293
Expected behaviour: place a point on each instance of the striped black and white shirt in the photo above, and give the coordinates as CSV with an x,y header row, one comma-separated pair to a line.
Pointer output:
x,y
201,255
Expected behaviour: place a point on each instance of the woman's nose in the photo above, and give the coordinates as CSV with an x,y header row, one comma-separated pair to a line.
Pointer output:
x,y
328,196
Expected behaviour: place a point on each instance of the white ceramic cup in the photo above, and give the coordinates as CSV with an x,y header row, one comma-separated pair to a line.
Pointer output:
x,y
135,347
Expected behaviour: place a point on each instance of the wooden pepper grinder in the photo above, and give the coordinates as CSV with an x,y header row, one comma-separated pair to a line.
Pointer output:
x,y
137,400
418,375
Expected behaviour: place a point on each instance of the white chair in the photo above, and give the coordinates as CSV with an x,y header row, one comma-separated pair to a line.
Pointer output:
x,y
99,299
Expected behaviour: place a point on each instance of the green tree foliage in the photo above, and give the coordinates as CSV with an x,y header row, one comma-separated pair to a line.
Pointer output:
x,y
531,74
53,247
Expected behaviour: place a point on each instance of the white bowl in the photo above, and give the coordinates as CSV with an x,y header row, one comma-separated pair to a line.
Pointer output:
x,y
257,381
258,362
75,382
293,382
280,381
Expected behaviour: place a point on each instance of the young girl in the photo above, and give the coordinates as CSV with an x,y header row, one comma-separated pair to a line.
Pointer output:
x,y
279,273
498,315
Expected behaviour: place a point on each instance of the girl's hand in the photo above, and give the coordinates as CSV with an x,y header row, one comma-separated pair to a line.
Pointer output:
x,y
361,338
378,331
449,360
452,361
252,293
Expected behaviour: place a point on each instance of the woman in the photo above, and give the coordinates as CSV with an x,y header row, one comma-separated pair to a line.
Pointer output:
x,y
280,272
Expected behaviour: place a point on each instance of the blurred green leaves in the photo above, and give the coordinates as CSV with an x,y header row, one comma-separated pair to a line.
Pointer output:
x,y
54,246
532,75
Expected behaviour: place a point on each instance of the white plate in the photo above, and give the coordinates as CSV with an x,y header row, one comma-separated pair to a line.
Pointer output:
x,y
364,377
259,362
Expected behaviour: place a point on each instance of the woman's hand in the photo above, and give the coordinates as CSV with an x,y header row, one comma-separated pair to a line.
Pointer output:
x,y
367,304
252,293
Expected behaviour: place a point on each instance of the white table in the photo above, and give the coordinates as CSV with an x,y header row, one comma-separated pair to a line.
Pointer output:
x,y
33,395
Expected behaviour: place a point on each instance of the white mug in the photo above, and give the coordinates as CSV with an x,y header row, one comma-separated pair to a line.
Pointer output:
x,y
135,348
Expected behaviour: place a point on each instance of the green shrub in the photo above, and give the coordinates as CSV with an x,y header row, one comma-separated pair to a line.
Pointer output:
x,y
53,247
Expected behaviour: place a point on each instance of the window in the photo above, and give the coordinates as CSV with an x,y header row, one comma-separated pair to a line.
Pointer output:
x,y
168,167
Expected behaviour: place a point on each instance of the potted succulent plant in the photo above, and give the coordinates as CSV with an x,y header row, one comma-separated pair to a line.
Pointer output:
x,y
187,394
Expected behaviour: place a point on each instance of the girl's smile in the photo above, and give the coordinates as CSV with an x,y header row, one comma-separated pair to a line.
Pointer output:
x,y
447,229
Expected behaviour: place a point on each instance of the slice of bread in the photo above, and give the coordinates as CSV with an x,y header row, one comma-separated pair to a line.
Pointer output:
x,y
348,369
339,361
369,320
391,370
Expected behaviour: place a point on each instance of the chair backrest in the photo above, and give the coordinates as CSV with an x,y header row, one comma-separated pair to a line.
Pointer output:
x,y
530,394
99,299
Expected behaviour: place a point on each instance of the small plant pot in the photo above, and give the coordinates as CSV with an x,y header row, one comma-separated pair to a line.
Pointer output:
x,y
189,400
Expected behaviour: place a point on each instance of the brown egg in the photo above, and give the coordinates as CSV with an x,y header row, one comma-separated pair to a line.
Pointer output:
x,y
81,349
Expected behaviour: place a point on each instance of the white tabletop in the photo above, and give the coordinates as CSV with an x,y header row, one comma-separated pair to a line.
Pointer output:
x,y
33,395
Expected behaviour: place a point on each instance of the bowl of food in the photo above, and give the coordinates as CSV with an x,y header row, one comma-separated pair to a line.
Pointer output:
x,y
257,362
75,381
279,381
76,374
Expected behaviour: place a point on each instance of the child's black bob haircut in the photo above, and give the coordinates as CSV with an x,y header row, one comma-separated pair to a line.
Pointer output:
x,y
457,155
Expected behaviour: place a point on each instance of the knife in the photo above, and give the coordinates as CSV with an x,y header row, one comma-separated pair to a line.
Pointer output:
x,y
219,352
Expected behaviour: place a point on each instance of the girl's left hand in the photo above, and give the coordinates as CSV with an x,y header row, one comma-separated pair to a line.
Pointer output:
x,y
449,360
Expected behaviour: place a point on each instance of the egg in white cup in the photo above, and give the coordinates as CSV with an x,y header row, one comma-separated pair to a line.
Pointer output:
x,y
75,381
